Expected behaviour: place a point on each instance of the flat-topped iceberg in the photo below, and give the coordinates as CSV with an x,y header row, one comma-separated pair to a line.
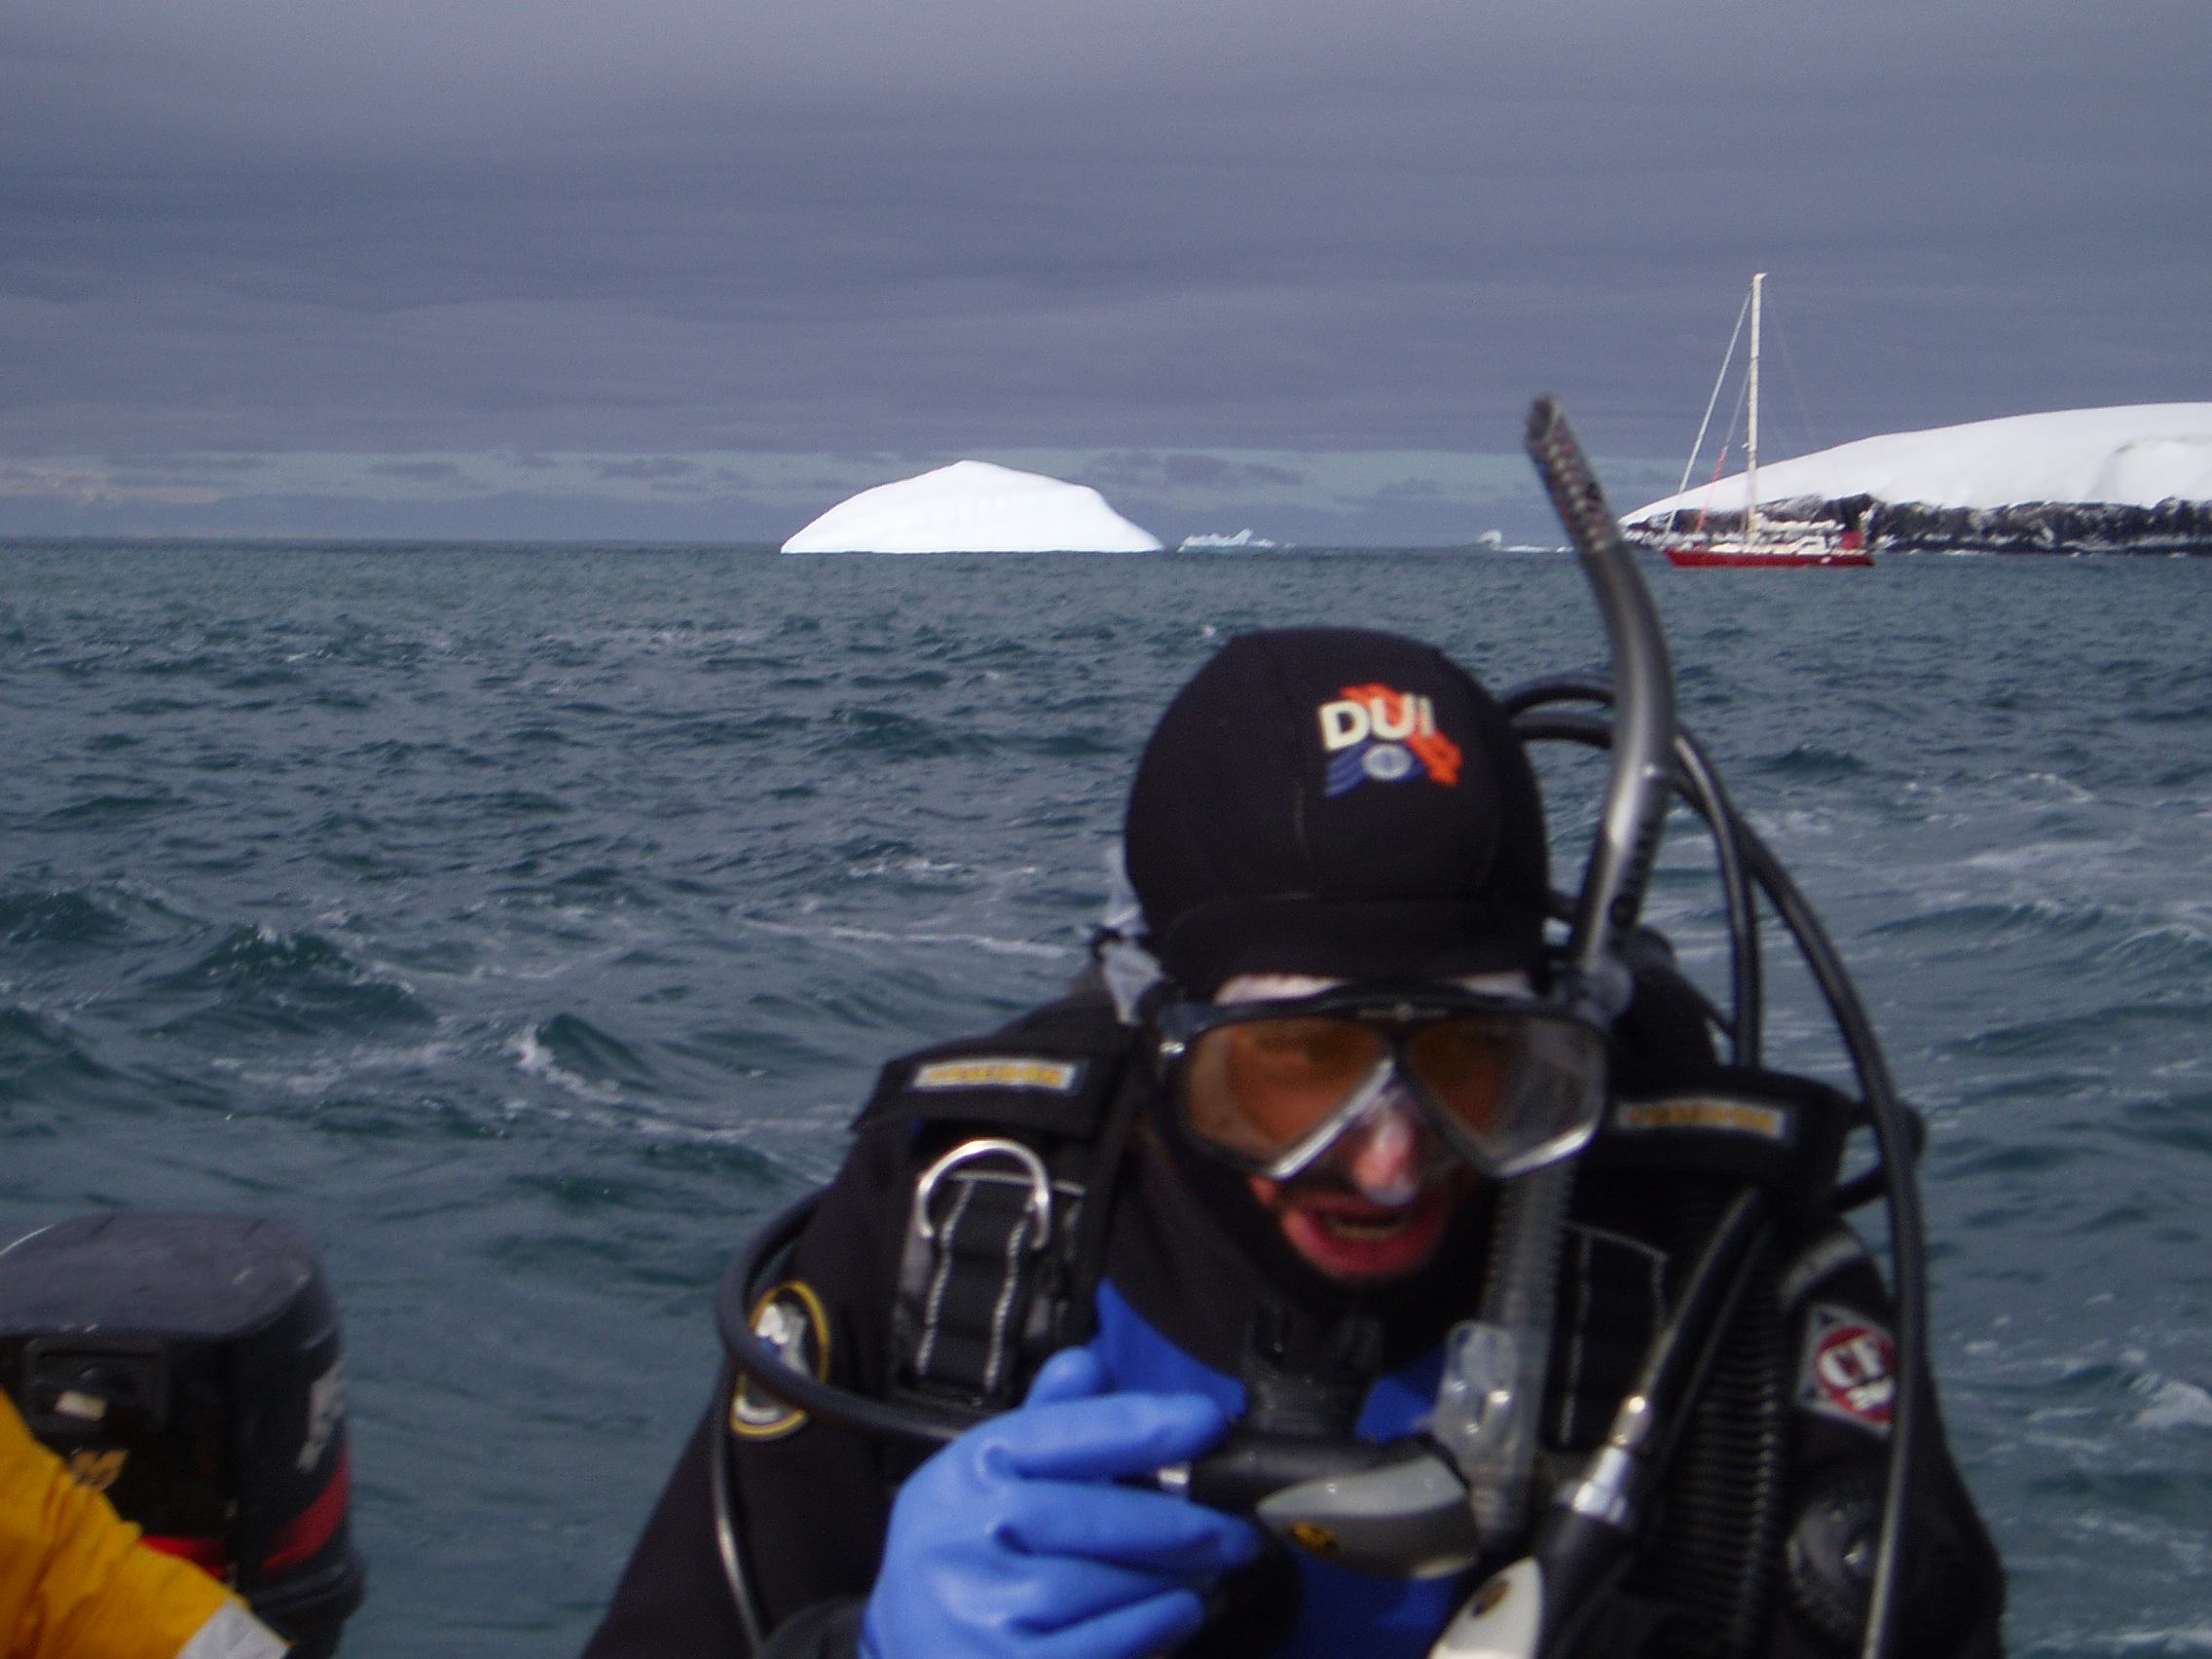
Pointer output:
x,y
973,506
2135,478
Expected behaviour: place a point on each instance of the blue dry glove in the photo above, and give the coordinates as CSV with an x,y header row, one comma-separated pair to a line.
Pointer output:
x,y
1014,1544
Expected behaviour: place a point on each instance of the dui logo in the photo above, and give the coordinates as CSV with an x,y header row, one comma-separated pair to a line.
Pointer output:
x,y
789,1319
1373,733
1848,1370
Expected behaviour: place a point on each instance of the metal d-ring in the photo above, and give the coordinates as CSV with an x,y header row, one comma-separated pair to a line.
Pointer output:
x,y
1039,1184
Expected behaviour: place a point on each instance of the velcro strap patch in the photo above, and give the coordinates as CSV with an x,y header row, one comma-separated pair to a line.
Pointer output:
x,y
1000,1071
1782,1131
1059,1090
1729,1117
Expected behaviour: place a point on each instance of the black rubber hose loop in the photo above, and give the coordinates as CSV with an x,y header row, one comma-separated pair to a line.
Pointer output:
x,y
1699,784
1896,1133
765,1367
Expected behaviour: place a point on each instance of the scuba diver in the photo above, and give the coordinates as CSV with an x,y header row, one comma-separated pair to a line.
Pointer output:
x,y
1344,1265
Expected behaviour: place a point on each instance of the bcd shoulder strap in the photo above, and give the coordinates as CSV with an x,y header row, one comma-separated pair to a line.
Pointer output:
x,y
1746,1124
1014,1142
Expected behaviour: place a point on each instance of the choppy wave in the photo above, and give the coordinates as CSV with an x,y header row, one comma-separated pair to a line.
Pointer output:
x,y
58,917
528,922
573,1054
258,979
40,1064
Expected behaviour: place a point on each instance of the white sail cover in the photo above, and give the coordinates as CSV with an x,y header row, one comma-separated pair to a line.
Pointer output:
x,y
2139,456
973,506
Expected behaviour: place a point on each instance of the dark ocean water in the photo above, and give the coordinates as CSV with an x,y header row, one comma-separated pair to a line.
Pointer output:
x,y
526,922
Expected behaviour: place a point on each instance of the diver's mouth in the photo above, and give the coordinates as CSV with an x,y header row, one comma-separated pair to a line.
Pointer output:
x,y
1367,1229
1353,1240
1352,1237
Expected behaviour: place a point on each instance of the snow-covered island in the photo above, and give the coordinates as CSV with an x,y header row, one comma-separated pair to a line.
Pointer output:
x,y
973,506
2136,479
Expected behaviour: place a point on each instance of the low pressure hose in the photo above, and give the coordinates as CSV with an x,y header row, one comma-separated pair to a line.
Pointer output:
x,y
729,1545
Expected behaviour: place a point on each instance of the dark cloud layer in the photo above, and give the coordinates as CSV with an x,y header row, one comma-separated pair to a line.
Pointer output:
x,y
1147,227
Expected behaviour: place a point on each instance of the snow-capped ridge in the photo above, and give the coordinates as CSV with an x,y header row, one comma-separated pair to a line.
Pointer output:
x,y
2137,478
2137,455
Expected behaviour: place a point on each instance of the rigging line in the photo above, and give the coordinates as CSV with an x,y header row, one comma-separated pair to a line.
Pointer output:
x,y
1711,484
1719,461
1804,409
1719,380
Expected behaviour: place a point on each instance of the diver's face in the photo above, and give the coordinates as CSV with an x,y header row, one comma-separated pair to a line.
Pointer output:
x,y
1374,1205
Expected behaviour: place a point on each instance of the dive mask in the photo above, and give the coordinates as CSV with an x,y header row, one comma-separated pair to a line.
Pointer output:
x,y
1510,1083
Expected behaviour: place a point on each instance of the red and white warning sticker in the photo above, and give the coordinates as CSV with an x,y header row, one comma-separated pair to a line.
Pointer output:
x,y
1848,1368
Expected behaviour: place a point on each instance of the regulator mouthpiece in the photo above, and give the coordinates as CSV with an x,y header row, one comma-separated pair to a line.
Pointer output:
x,y
1485,1419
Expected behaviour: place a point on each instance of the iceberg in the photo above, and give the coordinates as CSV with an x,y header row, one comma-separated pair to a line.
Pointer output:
x,y
973,506
2134,478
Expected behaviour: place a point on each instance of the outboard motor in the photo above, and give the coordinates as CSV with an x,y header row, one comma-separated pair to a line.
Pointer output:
x,y
187,1366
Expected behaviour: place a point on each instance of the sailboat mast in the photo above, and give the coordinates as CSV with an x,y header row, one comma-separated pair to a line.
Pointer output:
x,y
1752,423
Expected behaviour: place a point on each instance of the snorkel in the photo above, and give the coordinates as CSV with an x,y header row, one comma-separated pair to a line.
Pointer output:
x,y
1493,1377
1492,1387
1537,1607
1494,1380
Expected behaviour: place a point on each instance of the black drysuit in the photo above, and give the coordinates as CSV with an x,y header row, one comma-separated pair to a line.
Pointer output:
x,y
1776,1482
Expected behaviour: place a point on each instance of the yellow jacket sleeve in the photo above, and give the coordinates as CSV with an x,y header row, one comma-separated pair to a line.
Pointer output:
x,y
74,1583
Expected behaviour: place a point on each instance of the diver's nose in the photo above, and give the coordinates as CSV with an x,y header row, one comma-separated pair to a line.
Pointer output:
x,y
1382,1153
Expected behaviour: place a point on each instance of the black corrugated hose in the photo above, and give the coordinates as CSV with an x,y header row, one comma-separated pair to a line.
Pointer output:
x,y
1720,1530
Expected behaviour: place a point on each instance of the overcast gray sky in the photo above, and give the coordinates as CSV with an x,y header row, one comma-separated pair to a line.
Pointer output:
x,y
683,268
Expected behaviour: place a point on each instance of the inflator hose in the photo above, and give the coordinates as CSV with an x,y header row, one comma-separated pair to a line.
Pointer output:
x,y
729,1547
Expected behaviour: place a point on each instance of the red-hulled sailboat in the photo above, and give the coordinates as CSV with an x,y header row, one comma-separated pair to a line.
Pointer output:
x,y
1757,545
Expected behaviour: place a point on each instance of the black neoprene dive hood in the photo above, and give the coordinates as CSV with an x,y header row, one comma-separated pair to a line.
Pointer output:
x,y
1336,801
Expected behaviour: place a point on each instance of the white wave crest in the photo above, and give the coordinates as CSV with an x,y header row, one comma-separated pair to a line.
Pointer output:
x,y
2174,1403
872,935
532,1058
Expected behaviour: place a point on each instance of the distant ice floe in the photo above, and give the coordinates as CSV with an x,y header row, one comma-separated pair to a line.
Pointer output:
x,y
1206,542
973,506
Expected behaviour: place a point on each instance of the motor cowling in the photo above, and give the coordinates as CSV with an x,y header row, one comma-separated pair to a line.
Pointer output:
x,y
187,1367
